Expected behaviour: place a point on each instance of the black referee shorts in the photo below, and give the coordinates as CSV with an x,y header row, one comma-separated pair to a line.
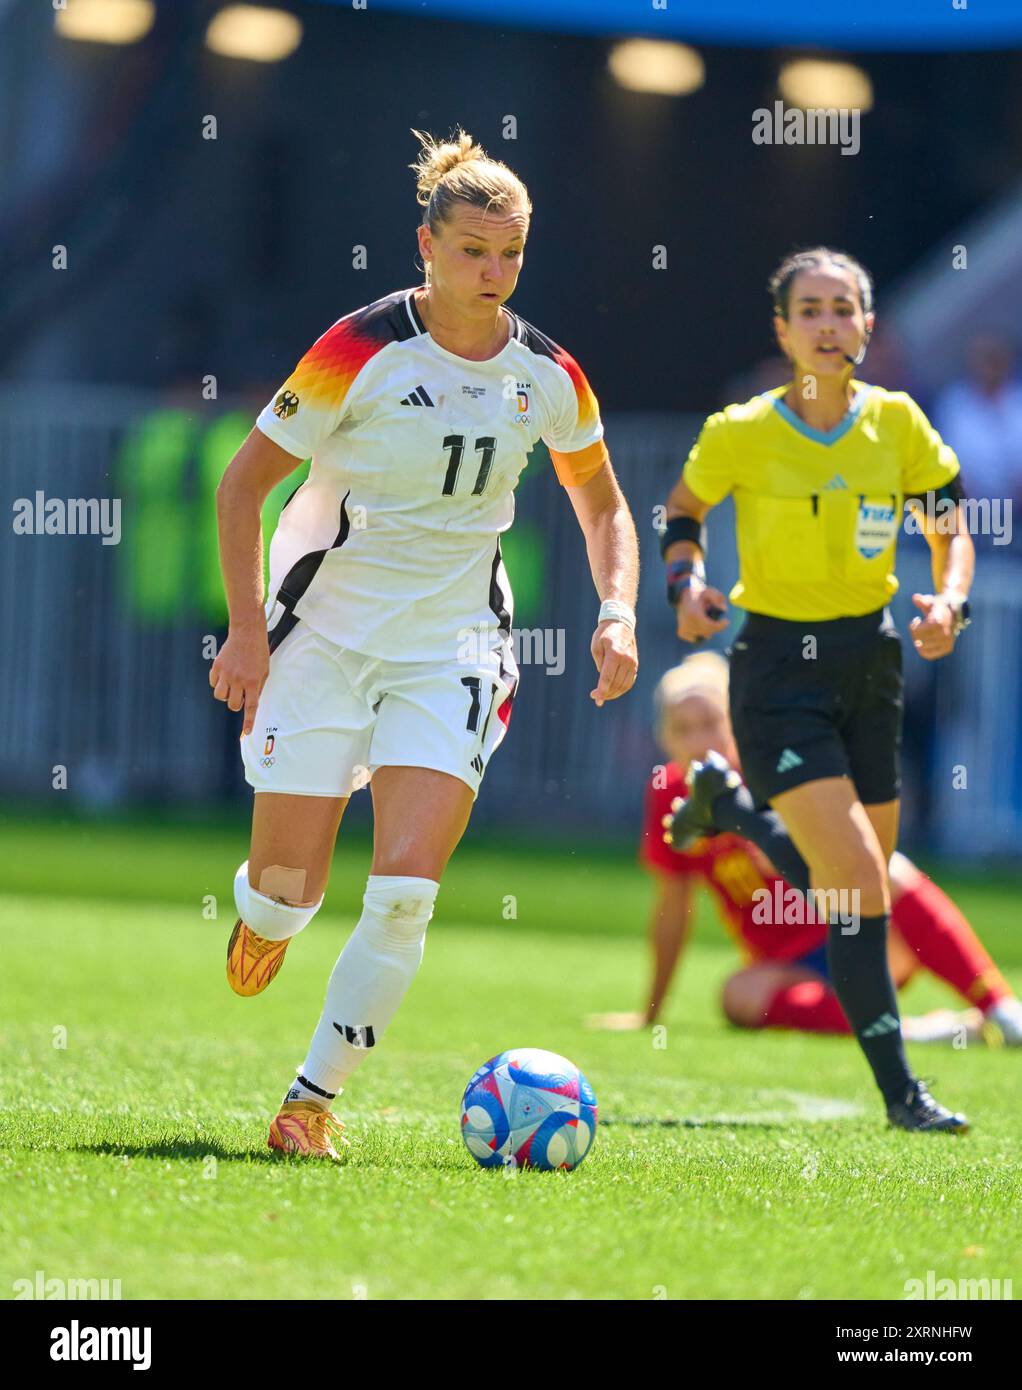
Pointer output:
x,y
811,700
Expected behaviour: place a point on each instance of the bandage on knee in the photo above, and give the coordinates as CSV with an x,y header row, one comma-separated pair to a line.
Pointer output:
x,y
287,885
275,920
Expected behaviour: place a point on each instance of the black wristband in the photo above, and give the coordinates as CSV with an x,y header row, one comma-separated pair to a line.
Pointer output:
x,y
682,528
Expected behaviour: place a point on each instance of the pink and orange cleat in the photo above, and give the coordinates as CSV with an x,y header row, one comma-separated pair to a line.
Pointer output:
x,y
306,1130
252,961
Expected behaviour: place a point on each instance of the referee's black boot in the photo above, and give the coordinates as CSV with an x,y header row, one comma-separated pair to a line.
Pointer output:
x,y
920,1111
692,816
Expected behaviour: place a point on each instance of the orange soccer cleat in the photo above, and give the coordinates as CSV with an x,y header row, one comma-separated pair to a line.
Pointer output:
x,y
252,961
306,1130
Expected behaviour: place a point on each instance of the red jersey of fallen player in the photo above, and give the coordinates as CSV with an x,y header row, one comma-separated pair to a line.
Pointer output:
x,y
737,873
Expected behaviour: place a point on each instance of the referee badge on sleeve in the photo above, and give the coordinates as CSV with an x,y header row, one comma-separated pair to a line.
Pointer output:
x,y
876,526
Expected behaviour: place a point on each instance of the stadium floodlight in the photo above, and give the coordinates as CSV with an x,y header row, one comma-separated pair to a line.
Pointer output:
x,y
815,83
649,65
105,21
251,31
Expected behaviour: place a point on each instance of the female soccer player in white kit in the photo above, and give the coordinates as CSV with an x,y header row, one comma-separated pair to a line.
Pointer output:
x,y
385,647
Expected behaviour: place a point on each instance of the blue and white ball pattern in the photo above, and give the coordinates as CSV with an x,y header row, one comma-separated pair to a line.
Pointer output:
x,y
530,1109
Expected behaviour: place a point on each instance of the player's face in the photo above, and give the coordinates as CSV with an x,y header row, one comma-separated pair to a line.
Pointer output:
x,y
825,321
476,257
693,726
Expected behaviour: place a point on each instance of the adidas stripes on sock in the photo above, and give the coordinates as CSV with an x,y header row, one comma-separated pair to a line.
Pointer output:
x,y
862,983
371,977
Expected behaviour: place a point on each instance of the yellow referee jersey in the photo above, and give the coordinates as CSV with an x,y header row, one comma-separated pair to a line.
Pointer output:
x,y
818,513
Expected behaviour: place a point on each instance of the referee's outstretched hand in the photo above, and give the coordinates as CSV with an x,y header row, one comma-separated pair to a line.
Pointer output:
x,y
694,608
933,635
239,672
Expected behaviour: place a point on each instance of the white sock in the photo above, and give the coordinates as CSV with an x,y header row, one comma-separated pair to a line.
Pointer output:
x,y
371,976
312,1095
1007,1014
941,1026
266,916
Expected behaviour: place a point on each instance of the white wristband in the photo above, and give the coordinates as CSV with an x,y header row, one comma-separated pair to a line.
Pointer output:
x,y
612,610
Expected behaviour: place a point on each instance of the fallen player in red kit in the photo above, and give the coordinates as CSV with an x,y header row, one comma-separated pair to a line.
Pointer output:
x,y
785,981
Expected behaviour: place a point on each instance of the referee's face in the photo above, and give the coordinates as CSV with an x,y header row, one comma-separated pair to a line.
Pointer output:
x,y
694,725
476,257
825,321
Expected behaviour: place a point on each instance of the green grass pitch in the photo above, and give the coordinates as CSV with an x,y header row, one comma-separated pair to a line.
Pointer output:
x,y
137,1092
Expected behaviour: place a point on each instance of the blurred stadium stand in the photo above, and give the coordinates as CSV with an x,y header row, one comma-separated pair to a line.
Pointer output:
x,y
190,257
936,308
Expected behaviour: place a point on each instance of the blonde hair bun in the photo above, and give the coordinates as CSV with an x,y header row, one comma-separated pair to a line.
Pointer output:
x,y
439,157
458,170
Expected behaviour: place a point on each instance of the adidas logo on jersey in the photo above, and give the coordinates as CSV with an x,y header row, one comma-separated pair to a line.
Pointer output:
x,y
788,760
836,484
420,396
477,764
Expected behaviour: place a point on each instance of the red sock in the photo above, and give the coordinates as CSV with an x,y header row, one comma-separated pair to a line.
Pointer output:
x,y
810,1006
946,944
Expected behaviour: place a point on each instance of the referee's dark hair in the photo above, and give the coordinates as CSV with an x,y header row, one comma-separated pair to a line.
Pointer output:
x,y
814,258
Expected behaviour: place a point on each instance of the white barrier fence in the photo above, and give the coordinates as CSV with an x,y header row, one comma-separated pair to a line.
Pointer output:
x,y
122,702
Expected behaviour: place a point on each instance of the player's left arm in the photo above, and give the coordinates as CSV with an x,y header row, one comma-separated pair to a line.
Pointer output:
x,y
931,483
613,550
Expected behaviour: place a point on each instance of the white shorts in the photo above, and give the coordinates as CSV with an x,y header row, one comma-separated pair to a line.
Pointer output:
x,y
328,717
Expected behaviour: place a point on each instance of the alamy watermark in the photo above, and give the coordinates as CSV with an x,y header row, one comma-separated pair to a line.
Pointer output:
x,y
784,906
532,646
78,1343
42,1288
977,1289
983,516
793,125
76,516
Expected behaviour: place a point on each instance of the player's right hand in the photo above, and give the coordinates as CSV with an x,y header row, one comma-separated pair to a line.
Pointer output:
x,y
239,672
694,621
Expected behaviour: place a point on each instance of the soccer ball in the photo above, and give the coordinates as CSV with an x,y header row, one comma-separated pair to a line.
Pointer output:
x,y
530,1109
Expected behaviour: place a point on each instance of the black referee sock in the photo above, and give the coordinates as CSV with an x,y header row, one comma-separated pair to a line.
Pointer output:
x,y
735,810
862,983
858,963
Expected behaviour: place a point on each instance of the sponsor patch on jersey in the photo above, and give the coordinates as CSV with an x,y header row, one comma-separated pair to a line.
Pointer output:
x,y
876,527
285,405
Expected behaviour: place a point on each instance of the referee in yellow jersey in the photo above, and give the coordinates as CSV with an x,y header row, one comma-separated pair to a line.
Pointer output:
x,y
820,471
